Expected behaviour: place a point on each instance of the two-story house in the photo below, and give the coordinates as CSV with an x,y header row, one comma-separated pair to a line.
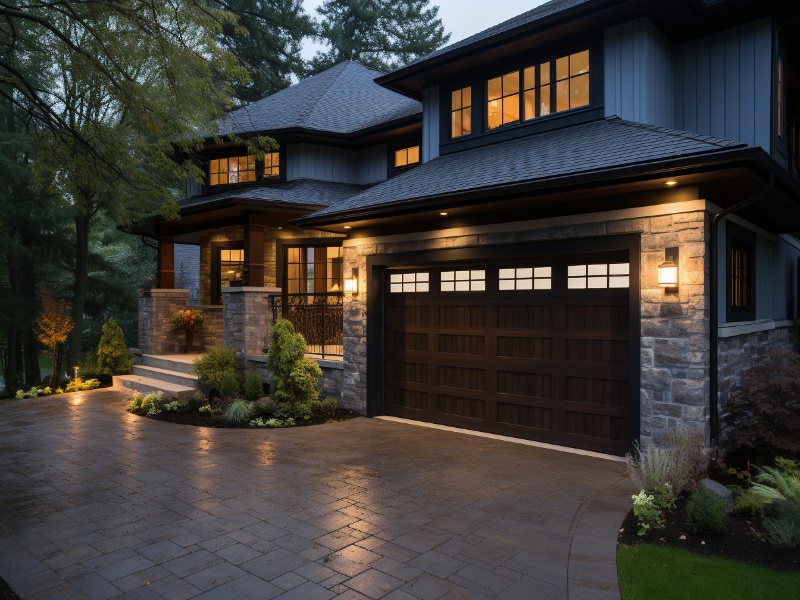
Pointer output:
x,y
574,227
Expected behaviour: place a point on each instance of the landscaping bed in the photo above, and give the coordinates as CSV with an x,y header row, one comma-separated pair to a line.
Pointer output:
x,y
205,420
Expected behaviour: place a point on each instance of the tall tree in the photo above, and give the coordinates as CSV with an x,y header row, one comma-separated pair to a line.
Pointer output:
x,y
382,34
267,40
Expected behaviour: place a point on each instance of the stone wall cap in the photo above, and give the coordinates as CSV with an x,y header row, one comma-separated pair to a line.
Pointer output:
x,y
244,289
162,291
727,330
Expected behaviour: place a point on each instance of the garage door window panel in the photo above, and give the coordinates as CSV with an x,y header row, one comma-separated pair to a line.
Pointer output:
x,y
463,281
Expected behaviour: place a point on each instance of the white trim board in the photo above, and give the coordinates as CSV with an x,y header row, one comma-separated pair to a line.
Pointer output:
x,y
504,438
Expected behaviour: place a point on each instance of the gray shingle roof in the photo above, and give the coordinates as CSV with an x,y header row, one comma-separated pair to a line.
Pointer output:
x,y
342,100
308,192
571,151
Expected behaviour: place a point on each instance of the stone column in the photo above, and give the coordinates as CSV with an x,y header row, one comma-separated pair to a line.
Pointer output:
x,y
156,307
247,318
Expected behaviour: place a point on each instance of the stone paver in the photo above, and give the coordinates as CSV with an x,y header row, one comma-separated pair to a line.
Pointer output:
x,y
98,503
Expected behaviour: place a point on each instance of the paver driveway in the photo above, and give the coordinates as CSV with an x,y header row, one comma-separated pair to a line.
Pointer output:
x,y
100,503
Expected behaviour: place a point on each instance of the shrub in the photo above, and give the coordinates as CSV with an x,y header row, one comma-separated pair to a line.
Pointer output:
x,y
763,413
264,407
176,406
329,406
196,400
751,503
707,512
79,385
230,386
238,412
647,513
253,386
212,367
259,422
293,375
36,391
679,461
113,357
148,405
780,487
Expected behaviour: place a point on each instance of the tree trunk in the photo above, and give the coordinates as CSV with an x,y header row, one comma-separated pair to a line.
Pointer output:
x,y
11,360
81,282
29,312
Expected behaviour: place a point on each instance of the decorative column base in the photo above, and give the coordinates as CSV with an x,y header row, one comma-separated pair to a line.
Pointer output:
x,y
156,307
247,318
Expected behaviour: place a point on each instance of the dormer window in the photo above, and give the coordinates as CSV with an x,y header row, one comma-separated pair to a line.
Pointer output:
x,y
461,112
234,169
406,157
272,165
502,95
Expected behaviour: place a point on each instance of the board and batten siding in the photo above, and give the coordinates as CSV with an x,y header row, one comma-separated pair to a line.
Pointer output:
x,y
326,163
638,74
430,123
723,84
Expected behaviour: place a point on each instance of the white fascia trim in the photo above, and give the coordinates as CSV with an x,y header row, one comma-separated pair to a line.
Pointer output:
x,y
504,438
658,210
727,330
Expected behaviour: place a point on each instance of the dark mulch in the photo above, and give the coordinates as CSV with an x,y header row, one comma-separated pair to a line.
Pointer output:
x,y
6,593
744,540
205,420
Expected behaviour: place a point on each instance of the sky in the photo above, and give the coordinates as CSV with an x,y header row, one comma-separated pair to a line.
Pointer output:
x,y
462,18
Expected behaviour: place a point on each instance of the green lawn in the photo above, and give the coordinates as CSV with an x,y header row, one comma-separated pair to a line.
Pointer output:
x,y
647,572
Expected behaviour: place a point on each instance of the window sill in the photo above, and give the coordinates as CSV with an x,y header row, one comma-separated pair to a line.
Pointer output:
x,y
727,330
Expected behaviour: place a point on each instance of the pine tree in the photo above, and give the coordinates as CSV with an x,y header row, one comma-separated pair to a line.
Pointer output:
x,y
113,357
382,34
267,40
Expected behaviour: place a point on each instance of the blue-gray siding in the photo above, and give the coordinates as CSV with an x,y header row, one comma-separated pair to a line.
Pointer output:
x,y
639,74
430,123
325,163
187,270
723,84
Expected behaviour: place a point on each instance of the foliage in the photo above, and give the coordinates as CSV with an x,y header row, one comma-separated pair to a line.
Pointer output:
x,y
648,571
79,385
146,404
175,406
35,392
259,422
647,512
329,406
679,461
238,411
54,324
212,367
113,357
780,486
293,375
267,40
382,34
196,400
229,387
751,503
707,512
763,412
188,319
253,386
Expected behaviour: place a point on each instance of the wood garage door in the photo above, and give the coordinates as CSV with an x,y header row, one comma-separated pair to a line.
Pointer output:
x,y
538,351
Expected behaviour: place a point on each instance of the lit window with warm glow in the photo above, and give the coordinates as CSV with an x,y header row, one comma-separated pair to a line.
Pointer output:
x,y
272,165
461,112
234,169
502,100
406,157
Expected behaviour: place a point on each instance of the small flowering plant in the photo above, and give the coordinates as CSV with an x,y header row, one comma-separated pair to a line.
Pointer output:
x,y
188,319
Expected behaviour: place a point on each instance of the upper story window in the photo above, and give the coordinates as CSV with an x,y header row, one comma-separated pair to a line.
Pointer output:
x,y
548,87
405,157
272,165
461,112
233,169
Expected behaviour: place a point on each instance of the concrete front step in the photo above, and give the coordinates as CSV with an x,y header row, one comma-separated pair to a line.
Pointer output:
x,y
147,385
168,375
170,362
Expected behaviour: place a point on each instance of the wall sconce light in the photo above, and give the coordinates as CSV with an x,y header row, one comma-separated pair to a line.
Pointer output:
x,y
668,271
351,284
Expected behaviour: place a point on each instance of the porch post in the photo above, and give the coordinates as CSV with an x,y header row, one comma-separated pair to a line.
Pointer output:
x,y
166,262
254,251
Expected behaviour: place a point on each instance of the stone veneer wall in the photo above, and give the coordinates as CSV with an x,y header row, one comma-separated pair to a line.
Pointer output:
x,y
156,307
330,386
247,318
740,345
675,338
212,334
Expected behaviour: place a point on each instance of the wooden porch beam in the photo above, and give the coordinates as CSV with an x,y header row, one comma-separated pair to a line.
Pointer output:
x,y
166,262
254,252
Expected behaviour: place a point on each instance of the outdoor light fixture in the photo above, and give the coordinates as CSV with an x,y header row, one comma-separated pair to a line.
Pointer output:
x,y
351,284
75,369
668,271
671,183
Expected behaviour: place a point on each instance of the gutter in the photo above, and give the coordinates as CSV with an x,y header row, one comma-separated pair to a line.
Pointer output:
x,y
714,342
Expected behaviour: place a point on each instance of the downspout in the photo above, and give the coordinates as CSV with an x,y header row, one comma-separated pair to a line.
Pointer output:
x,y
714,362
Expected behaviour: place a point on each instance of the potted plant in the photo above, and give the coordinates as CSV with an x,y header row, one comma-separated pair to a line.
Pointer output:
x,y
187,320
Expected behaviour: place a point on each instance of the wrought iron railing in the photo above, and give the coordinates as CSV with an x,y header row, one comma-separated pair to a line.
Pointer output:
x,y
318,317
